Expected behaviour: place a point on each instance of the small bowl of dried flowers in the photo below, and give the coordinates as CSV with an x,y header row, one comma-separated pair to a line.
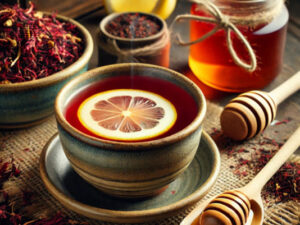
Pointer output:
x,y
40,52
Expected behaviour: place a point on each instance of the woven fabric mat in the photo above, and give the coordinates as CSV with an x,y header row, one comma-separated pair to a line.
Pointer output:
x,y
25,146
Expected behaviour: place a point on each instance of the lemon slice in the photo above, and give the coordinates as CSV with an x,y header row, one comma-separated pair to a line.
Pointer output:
x,y
163,8
127,114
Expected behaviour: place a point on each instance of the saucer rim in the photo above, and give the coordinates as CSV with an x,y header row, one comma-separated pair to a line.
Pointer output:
x,y
133,216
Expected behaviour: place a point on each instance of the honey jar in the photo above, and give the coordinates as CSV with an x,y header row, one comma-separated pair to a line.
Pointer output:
x,y
263,23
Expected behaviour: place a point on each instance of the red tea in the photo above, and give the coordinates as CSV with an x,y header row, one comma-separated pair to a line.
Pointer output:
x,y
185,105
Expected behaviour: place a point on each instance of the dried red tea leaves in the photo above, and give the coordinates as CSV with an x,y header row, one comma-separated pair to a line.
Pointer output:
x,y
283,186
27,197
15,219
7,215
3,197
33,45
11,216
26,149
7,170
285,121
132,25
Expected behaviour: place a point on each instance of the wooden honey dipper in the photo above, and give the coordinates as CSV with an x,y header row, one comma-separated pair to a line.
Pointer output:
x,y
250,113
234,207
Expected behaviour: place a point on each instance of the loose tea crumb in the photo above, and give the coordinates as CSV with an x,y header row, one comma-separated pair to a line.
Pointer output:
x,y
11,215
283,186
8,169
132,25
285,121
33,45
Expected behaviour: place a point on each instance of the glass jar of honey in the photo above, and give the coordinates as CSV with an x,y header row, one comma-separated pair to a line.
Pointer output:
x,y
262,22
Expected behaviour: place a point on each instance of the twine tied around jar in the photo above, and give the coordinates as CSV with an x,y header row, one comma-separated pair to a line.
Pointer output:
x,y
222,22
134,54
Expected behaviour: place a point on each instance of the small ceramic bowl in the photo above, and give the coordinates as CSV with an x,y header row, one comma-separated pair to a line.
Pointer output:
x,y
129,169
154,49
28,103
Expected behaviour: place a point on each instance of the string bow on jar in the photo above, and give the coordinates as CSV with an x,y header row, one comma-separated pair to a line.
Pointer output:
x,y
236,45
222,22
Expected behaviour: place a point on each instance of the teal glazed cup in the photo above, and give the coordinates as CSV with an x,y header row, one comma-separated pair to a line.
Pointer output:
x,y
29,103
129,169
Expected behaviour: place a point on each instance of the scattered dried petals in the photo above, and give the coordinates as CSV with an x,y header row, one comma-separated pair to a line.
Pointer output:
x,y
283,186
33,45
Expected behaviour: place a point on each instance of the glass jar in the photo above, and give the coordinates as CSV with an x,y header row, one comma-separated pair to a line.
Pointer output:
x,y
262,22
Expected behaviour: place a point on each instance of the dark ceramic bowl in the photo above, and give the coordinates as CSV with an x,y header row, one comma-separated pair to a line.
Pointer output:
x,y
129,169
28,103
158,44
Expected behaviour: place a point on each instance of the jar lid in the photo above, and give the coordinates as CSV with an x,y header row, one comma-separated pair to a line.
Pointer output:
x,y
250,12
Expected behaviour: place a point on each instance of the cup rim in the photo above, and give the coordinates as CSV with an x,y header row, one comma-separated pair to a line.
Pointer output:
x,y
111,16
75,67
122,145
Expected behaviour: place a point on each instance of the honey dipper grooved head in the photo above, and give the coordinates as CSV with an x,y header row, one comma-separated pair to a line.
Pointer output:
x,y
229,208
247,115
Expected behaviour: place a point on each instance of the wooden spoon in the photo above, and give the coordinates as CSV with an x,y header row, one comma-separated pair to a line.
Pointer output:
x,y
250,113
233,207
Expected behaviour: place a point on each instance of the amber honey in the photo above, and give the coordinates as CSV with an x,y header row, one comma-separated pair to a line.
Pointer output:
x,y
212,63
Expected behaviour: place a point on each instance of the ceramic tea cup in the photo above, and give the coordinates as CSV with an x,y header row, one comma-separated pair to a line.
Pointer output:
x,y
31,102
139,168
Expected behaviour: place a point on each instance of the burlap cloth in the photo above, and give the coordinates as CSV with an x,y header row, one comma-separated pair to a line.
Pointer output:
x,y
25,146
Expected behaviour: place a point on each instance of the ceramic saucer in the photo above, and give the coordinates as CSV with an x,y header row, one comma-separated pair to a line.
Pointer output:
x,y
79,196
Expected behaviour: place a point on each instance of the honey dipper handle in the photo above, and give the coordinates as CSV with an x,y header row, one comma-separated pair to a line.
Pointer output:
x,y
291,145
286,89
